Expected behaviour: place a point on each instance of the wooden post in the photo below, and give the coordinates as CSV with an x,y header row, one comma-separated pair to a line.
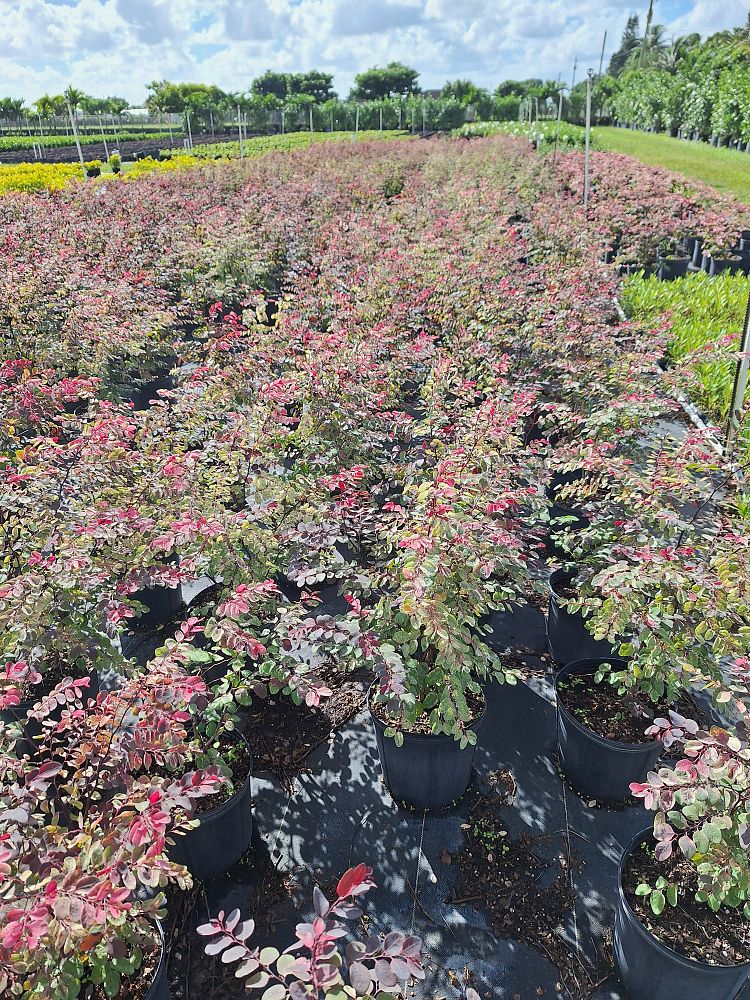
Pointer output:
x,y
239,131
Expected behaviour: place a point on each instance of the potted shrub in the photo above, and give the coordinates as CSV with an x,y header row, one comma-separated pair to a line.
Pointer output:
x,y
719,258
456,556
93,168
255,643
667,595
375,969
115,163
692,870
78,906
671,260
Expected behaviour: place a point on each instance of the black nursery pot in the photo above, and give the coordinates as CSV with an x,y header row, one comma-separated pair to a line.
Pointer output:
x,y
159,989
567,636
724,264
597,767
744,256
698,251
142,394
162,603
223,836
689,244
671,268
562,517
20,711
427,771
649,970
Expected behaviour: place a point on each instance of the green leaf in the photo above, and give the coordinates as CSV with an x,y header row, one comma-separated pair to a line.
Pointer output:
x,y
658,901
643,889
672,895
275,992
111,981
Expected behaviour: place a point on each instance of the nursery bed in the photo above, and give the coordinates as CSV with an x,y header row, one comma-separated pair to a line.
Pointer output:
x,y
411,480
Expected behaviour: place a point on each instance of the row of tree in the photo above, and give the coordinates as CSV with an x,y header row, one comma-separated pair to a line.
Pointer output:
x,y
391,92
699,87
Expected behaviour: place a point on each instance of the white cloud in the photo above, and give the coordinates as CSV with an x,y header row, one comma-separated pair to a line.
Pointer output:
x,y
118,46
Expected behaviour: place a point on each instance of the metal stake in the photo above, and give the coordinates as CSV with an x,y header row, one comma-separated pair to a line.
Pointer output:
x,y
587,154
104,137
557,130
75,136
740,384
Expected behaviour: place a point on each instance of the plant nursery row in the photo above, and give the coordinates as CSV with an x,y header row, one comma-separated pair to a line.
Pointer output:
x,y
274,425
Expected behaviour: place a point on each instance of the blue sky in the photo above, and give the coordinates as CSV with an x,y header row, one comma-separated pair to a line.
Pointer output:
x,y
118,46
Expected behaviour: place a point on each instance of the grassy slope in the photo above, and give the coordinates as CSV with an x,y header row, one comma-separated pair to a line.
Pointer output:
x,y
725,169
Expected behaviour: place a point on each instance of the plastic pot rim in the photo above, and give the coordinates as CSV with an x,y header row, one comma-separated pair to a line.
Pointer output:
x,y
691,964
634,748
225,806
424,737
557,576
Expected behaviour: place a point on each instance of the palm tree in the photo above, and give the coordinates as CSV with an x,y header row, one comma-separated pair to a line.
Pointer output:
x,y
12,108
673,56
46,107
651,50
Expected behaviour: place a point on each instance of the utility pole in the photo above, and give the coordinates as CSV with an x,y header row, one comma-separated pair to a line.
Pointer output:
x,y
647,32
601,59
575,67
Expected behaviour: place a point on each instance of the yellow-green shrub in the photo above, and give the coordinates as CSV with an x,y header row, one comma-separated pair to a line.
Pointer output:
x,y
38,176
149,165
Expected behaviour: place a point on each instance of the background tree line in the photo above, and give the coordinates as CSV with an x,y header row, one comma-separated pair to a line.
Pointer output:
x,y
390,94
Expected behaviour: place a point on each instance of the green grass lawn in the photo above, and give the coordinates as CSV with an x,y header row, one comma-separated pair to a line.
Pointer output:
x,y
725,169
